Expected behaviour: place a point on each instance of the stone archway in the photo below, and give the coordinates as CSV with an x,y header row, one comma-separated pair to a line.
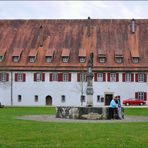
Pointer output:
x,y
48,100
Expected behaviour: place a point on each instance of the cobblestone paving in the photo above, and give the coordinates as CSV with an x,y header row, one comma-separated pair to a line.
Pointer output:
x,y
52,118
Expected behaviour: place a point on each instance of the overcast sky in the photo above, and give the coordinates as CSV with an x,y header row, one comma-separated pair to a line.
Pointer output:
x,y
73,9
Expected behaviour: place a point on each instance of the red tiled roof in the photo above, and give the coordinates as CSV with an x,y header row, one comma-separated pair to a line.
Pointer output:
x,y
82,52
103,37
118,53
65,52
3,52
50,52
17,52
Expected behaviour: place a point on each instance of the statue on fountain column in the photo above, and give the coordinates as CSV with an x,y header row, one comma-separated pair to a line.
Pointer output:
x,y
89,89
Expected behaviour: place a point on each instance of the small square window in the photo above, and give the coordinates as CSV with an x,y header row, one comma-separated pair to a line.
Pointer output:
x,y
65,59
1,58
48,59
118,60
82,59
135,60
15,58
19,98
36,98
102,59
63,99
31,59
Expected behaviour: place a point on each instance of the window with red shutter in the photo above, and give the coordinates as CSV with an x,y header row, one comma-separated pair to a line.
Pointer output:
x,y
132,77
60,76
43,76
78,77
123,77
7,76
50,77
35,76
117,77
145,96
104,77
16,77
95,76
145,77
69,77
108,77
136,77
24,77
0,76
136,95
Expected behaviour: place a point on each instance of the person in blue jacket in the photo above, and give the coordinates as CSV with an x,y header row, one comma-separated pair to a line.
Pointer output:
x,y
112,108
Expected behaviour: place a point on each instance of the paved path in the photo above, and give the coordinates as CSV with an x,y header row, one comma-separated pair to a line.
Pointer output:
x,y
52,118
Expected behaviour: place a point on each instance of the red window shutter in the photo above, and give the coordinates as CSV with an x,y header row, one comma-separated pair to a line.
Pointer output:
x,y
78,77
95,76
35,76
69,77
60,76
16,77
145,77
117,77
132,77
136,95
108,77
0,76
50,77
43,76
136,77
123,77
145,96
24,77
104,76
7,76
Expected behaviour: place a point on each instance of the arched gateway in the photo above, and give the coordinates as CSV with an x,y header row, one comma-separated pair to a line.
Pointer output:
x,y
48,100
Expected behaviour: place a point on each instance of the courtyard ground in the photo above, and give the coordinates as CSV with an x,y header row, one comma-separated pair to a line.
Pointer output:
x,y
16,133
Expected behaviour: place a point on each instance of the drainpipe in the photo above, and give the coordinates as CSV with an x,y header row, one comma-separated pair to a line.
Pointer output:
x,y
11,88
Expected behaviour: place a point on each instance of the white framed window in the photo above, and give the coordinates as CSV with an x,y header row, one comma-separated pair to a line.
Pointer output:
x,y
31,59
1,58
38,76
65,59
102,59
15,58
113,77
19,98
20,77
140,77
65,77
3,77
82,59
63,98
100,77
118,60
135,60
128,77
55,76
141,95
82,77
48,59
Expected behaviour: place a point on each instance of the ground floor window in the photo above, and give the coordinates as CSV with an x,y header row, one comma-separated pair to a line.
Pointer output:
x,y
63,98
36,98
19,98
141,96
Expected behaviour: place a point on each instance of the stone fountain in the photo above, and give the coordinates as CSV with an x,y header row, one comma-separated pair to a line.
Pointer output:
x,y
89,112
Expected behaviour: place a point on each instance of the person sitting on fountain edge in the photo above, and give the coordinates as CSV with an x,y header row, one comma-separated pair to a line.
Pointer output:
x,y
112,108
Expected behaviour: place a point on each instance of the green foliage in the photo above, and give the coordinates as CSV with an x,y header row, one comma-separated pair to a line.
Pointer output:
x,y
15,133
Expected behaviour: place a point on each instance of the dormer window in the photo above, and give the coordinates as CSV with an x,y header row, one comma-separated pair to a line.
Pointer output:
x,y
82,59
119,60
48,59
49,55
82,55
32,55
15,58
135,60
65,59
101,56
31,59
65,55
1,58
